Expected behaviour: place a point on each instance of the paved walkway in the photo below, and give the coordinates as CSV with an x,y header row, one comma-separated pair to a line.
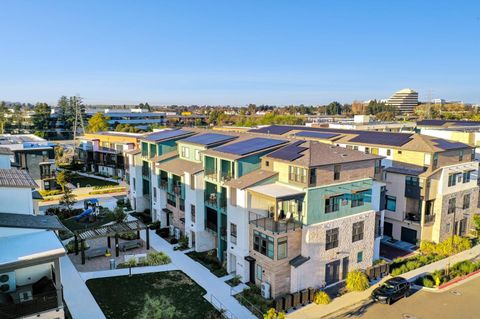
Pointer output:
x,y
80,301
314,311
125,271
217,289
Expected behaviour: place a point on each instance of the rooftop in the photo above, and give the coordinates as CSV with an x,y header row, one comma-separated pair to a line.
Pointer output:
x,y
180,166
246,146
26,247
5,151
30,221
13,177
250,179
276,190
209,139
166,135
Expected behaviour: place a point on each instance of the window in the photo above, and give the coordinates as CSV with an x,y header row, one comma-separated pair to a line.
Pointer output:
x,y
144,149
359,256
391,203
355,147
349,147
336,172
378,167
367,150
185,152
332,204
297,174
399,152
358,199
452,203
374,151
331,240
171,200
357,231
460,155
267,163
263,244
472,154
452,179
233,233
435,160
154,194
313,176
466,201
389,152
259,272
192,212
282,245
181,204
466,176
192,181
197,155
134,182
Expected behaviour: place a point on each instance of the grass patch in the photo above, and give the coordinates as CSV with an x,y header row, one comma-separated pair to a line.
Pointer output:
x,y
209,260
74,225
125,297
86,181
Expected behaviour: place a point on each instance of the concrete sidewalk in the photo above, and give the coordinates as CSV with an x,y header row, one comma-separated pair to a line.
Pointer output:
x,y
125,271
313,311
78,298
218,292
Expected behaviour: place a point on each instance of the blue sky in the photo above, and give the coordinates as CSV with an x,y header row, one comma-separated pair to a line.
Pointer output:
x,y
238,52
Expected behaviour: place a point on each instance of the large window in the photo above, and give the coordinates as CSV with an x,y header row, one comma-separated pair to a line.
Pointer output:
x,y
144,149
466,201
171,200
460,155
197,155
154,194
358,199
297,174
452,203
467,176
452,179
282,244
332,204
391,203
185,152
233,233
331,240
357,231
263,244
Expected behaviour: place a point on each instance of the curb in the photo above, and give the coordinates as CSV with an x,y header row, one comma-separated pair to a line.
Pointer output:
x,y
451,284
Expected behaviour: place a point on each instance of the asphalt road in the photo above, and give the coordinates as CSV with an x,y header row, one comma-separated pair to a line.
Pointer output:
x,y
461,302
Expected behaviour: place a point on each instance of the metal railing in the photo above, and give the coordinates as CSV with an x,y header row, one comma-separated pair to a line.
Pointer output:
x,y
39,303
274,226
221,308
429,219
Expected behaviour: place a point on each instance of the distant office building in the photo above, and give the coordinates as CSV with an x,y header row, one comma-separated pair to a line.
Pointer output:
x,y
405,100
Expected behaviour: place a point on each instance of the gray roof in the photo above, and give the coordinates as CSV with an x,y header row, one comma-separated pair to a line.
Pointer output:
x,y
405,170
30,221
16,178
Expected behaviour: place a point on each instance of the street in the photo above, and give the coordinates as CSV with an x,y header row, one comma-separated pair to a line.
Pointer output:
x,y
461,302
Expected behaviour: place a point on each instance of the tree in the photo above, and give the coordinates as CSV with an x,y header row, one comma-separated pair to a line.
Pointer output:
x,y
3,113
159,307
63,178
68,199
97,123
41,119
334,108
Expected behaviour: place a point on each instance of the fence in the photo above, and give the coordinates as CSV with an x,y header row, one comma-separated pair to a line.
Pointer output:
x,y
221,307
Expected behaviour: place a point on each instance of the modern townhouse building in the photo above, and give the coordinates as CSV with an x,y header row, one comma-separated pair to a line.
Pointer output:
x,y
33,154
102,152
431,183
154,147
313,220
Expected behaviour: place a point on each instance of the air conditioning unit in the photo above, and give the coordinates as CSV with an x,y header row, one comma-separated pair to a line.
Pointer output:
x,y
177,233
7,282
266,290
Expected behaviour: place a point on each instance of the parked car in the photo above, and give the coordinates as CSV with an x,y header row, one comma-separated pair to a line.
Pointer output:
x,y
391,290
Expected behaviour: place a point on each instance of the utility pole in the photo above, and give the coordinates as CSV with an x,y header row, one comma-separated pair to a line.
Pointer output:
x,y
77,104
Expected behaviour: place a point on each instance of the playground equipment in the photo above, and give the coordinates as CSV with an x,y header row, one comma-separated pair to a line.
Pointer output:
x,y
92,207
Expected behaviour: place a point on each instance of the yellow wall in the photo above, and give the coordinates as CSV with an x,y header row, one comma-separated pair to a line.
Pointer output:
x,y
111,138
410,157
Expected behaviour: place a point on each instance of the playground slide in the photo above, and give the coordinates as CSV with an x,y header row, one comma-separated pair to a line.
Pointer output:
x,y
85,213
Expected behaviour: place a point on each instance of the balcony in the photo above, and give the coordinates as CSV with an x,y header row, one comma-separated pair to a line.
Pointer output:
x,y
429,219
274,226
413,217
211,226
39,302
211,175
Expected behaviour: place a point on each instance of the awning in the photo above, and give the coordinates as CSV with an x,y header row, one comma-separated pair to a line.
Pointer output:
x,y
298,261
277,191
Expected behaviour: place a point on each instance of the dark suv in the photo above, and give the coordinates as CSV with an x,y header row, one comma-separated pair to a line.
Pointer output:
x,y
392,290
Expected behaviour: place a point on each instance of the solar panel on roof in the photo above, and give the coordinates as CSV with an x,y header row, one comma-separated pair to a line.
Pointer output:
x,y
165,134
209,138
249,146
448,145
289,153
316,134
394,139
273,129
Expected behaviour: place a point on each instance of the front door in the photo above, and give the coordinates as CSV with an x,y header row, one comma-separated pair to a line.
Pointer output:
x,y
409,235
345,268
332,272
387,229
252,270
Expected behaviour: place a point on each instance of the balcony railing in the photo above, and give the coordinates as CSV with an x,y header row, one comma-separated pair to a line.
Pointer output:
x,y
413,217
39,303
211,175
211,226
429,219
269,224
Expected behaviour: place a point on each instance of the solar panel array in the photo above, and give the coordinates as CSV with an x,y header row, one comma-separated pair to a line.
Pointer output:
x,y
449,145
273,129
249,146
162,135
209,138
289,152
381,138
316,134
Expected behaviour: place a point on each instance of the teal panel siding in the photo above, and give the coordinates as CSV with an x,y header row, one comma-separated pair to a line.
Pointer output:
x,y
315,200
249,164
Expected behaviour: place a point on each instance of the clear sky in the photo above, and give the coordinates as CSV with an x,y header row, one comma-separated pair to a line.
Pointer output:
x,y
238,52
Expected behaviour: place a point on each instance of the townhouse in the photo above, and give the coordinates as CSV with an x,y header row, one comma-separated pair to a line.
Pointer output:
x,y
431,189
103,152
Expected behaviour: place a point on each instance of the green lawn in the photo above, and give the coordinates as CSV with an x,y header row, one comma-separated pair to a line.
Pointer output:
x,y
90,181
74,225
124,297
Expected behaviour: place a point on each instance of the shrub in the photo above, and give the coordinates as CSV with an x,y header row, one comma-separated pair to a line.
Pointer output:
x,y
183,243
158,258
427,282
128,236
427,247
321,298
357,281
70,246
45,193
413,264
163,232
173,241
108,191
272,314
155,225
132,262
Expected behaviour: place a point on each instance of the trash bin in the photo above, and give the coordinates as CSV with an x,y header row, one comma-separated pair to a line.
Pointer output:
x,y
287,301
304,297
112,264
296,299
311,294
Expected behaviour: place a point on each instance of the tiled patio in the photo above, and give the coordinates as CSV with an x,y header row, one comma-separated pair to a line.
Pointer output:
x,y
103,262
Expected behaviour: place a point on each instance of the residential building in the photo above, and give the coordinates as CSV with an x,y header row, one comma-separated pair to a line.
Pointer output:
x,y
33,154
405,100
417,173
102,152
364,122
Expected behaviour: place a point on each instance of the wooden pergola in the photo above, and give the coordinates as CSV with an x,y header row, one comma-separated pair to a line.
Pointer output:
x,y
109,231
